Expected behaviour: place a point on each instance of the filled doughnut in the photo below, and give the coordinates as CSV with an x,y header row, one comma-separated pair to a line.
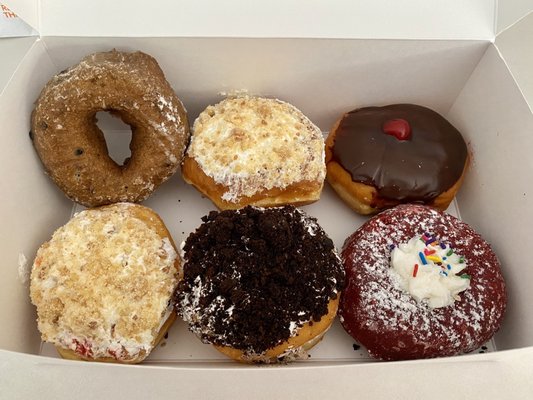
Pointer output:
x,y
379,157
73,149
255,151
261,285
420,284
104,284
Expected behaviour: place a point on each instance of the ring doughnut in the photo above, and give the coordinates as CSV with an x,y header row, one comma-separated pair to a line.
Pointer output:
x,y
72,148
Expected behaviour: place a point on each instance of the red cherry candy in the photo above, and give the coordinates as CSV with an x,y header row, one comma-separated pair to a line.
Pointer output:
x,y
399,128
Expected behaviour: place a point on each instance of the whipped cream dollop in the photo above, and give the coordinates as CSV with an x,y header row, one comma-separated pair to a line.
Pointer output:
x,y
428,270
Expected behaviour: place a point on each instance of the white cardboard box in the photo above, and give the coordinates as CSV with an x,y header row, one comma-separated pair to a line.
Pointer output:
x,y
326,58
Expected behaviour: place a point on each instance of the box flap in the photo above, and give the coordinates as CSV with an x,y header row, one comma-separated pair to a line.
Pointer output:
x,y
12,51
514,45
416,19
27,10
11,25
487,376
510,11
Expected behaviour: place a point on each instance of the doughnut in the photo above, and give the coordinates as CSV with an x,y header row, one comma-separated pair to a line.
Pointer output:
x,y
260,284
420,284
379,157
255,151
103,285
73,149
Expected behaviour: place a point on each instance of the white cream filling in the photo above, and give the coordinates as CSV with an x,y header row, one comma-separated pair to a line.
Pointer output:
x,y
428,271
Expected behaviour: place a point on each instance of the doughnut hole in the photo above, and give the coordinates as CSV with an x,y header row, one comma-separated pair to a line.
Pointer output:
x,y
117,135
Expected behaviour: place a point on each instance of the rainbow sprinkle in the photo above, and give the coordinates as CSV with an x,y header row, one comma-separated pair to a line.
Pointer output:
x,y
429,254
434,258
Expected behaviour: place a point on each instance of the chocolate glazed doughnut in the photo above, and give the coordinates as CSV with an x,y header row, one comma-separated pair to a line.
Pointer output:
x,y
72,148
379,157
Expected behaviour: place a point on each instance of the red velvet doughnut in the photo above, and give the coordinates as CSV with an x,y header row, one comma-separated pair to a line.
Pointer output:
x,y
391,323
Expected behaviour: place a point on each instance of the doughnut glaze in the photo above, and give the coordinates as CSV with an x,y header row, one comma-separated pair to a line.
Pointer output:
x,y
418,168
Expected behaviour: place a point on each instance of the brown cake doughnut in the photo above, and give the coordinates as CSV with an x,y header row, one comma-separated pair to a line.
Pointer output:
x,y
406,269
255,151
104,284
72,147
261,285
379,157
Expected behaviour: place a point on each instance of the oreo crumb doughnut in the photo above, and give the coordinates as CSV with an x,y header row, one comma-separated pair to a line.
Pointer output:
x,y
72,148
261,285
104,284
255,151
420,284
379,157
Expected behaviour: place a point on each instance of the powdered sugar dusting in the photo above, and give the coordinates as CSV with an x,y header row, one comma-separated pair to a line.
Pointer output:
x,y
388,320
23,269
310,225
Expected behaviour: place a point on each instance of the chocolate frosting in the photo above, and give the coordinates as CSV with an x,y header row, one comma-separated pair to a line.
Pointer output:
x,y
420,168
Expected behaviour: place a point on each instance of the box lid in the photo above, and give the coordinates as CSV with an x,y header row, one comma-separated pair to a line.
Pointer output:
x,y
416,19
452,19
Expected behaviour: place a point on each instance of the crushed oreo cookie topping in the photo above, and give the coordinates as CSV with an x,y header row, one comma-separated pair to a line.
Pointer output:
x,y
253,276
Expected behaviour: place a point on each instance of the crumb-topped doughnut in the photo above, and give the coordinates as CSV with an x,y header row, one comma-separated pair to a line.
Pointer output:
x,y
73,149
255,151
379,157
260,284
420,284
104,284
